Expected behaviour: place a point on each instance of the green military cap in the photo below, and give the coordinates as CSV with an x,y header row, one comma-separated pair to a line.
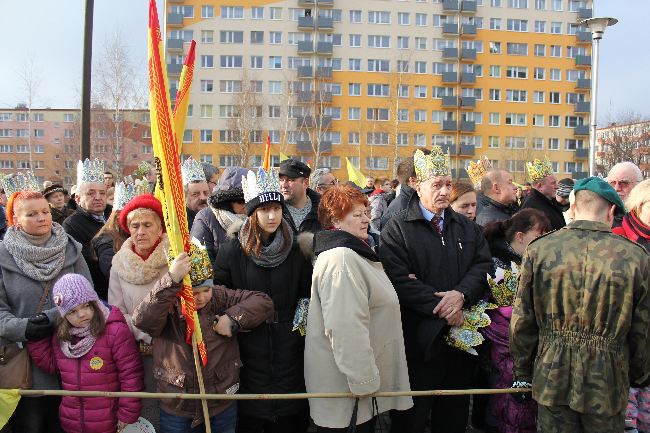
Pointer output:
x,y
603,189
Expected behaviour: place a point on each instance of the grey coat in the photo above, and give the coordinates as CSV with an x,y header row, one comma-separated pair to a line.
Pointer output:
x,y
19,297
209,232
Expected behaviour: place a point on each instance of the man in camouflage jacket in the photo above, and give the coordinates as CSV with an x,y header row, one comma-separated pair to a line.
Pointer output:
x,y
581,319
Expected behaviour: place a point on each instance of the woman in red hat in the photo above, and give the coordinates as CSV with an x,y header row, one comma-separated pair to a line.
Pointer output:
x,y
137,266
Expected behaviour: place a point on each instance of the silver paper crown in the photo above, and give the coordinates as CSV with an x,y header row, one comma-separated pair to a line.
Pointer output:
x,y
20,182
126,190
192,171
254,185
90,171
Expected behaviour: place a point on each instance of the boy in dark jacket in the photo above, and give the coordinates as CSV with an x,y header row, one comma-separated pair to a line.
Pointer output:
x,y
221,312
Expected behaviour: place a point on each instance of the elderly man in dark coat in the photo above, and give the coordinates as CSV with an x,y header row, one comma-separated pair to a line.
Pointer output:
x,y
437,261
542,195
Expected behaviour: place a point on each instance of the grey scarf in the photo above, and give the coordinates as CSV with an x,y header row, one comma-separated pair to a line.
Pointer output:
x,y
226,218
271,255
40,263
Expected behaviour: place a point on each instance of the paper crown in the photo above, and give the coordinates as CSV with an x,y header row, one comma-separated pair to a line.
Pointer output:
x,y
504,285
20,182
476,170
126,190
200,264
539,169
256,185
435,164
143,170
467,336
192,171
90,171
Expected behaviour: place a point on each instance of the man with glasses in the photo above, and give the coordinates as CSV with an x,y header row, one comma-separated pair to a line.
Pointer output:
x,y
322,179
211,175
623,177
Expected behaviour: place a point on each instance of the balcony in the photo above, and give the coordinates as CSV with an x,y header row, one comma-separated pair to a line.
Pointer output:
x,y
324,48
450,6
449,101
582,154
304,96
468,54
304,146
305,72
306,23
325,146
174,19
583,107
174,68
449,148
325,3
449,125
450,29
467,126
468,102
324,72
174,44
467,150
583,84
462,174
468,29
581,130
584,37
468,78
450,54
584,13
306,3
325,23
305,47
579,175
450,77
305,122
323,96
468,7
583,61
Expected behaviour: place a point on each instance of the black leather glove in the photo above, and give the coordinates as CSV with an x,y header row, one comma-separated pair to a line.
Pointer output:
x,y
522,397
38,327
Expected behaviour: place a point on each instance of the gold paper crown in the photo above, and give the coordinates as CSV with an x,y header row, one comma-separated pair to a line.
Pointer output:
x,y
435,164
200,265
504,285
476,170
90,171
192,171
20,182
467,336
126,190
143,170
539,169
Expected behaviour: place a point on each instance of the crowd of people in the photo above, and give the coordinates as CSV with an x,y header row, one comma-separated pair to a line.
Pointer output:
x,y
303,283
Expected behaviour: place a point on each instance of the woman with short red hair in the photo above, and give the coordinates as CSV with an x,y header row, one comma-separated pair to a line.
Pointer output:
x,y
354,337
34,254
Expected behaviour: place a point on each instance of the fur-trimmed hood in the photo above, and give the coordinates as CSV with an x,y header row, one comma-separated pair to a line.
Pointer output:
x,y
234,229
131,268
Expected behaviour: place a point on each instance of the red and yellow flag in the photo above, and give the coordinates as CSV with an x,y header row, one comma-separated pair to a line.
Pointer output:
x,y
266,164
167,156
183,95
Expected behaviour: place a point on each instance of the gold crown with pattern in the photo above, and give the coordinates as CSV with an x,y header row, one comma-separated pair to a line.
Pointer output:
x,y
467,336
20,182
200,264
476,170
504,285
435,164
539,169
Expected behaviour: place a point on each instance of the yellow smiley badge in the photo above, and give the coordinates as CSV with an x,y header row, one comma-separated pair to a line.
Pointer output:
x,y
96,363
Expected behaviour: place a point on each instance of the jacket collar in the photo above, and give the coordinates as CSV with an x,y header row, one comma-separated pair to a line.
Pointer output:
x,y
414,213
329,239
84,212
595,226
487,201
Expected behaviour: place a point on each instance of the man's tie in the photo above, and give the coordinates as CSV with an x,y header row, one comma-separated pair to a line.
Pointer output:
x,y
435,222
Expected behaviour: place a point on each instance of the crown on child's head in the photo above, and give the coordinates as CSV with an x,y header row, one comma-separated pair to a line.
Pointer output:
x,y
90,171
538,169
20,182
435,164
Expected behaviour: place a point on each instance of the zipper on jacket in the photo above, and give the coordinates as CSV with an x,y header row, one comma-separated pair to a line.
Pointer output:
x,y
442,238
81,400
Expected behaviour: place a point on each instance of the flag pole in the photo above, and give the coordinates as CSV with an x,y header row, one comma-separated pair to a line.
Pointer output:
x,y
199,377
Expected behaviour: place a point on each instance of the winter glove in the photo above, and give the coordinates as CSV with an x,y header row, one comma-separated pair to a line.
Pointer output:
x,y
643,384
38,327
522,397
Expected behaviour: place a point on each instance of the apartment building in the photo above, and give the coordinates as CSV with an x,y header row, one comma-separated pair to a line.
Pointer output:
x,y
373,80
47,141
623,142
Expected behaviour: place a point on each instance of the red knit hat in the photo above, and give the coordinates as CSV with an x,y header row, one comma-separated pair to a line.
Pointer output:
x,y
144,201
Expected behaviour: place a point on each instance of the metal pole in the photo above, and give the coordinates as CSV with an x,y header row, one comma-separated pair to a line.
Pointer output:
x,y
86,80
596,37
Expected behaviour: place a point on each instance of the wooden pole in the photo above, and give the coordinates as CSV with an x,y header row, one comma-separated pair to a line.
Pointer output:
x,y
199,377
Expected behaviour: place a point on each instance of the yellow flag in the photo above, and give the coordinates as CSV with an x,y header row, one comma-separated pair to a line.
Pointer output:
x,y
183,95
283,157
9,399
355,175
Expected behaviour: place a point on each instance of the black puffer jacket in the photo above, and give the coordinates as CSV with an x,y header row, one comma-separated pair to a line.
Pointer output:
x,y
491,210
410,246
271,354
549,207
397,205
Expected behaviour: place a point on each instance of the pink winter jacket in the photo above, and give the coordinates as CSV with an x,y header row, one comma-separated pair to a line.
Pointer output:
x,y
113,364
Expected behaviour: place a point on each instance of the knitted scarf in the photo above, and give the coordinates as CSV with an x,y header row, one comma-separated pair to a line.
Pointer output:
x,y
38,261
226,218
271,255
84,339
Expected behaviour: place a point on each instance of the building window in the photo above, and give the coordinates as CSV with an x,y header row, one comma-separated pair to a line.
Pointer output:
x,y
517,49
378,41
556,75
540,5
354,138
207,36
516,119
494,142
378,65
206,135
419,116
378,90
207,11
538,73
275,62
554,121
355,40
515,142
39,133
495,47
379,17
516,96
420,91
376,163
275,13
556,27
495,23
519,72
377,138
420,67
354,89
257,37
232,12
257,13
39,117
517,25
538,97
382,114
206,86
495,94
540,26
540,50
538,120
495,71
257,62
231,37
207,61
187,136
404,18
420,19
355,16
518,4
231,61
275,37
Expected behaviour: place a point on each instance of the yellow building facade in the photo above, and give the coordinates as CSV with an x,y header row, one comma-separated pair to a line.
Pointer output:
x,y
372,81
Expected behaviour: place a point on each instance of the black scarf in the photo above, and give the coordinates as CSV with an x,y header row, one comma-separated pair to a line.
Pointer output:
x,y
328,239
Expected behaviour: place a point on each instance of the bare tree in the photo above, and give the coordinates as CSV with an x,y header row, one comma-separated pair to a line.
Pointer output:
x,y
30,80
245,120
118,87
623,140
396,80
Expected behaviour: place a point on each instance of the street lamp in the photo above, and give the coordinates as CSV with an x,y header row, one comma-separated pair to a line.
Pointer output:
x,y
597,27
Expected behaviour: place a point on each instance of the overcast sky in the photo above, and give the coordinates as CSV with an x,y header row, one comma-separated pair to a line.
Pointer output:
x,y
51,33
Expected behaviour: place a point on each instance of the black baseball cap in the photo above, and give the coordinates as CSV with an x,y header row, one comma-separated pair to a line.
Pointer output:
x,y
294,168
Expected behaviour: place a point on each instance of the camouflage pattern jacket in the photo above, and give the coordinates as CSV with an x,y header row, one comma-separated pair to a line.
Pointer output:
x,y
580,323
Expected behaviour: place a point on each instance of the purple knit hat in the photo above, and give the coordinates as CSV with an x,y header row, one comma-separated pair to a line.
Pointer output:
x,y
72,290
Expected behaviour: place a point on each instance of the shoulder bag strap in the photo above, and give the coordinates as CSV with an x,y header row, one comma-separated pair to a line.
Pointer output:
x,y
46,291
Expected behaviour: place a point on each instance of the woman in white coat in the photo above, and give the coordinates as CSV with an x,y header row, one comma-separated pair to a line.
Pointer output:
x,y
354,337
